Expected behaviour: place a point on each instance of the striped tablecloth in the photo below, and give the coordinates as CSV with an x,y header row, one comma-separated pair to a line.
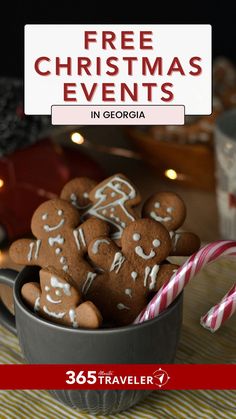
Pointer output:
x,y
196,346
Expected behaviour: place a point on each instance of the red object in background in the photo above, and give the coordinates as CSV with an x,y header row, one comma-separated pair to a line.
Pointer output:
x,y
32,175
232,200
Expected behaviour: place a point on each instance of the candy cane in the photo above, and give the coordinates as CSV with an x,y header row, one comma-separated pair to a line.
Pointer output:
x,y
222,311
172,288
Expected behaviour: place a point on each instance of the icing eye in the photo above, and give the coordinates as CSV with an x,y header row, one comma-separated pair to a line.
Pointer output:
x,y
59,212
169,210
58,293
73,197
156,243
157,205
136,237
85,195
44,216
47,288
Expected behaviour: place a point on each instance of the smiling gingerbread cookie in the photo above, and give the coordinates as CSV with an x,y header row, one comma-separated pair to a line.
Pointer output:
x,y
131,273
57,300
60,242
169,209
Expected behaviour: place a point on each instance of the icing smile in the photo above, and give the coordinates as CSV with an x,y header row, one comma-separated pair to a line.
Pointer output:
x,y
159,218
49,298
48,228
139,251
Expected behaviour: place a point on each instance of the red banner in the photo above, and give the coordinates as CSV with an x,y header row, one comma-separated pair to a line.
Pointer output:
x,y
118,376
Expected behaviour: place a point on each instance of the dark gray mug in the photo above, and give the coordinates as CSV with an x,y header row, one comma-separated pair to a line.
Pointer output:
x,y
152,342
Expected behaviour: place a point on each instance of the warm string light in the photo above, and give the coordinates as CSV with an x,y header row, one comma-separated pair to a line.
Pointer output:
x,y
77,138
171,174
1,183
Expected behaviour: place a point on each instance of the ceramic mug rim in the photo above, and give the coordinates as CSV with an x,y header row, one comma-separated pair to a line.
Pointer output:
x,y
122,329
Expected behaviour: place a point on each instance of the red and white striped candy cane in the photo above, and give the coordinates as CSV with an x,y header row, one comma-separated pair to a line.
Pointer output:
x,y
172,288
222,311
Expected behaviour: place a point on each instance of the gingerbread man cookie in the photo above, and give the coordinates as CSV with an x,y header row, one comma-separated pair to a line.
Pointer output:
x,y
169,209
61,241
56,300
132,272
113,201
76,191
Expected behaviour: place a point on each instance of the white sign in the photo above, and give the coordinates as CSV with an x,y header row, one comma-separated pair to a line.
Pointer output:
x,y
118,65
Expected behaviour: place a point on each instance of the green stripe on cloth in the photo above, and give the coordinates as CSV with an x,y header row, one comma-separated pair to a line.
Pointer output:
x,y
197,345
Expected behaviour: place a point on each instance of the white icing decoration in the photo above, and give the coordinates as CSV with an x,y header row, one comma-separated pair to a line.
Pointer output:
x,y
58,239
65,268
50,299
157,205
113,194
88,282
45,216
58,250
58,293
97,243
82,238
63,260
134,275
169,210
115,184
52,314
37,304
123,224
38,244
74,201
31,246
55,283
156,243
171,233
139,251
59,225
159,218
59,212
146,274
117,262
175,239
153,276
152,272
128,292
75,233
47,288
121,306
85,195
112,209
104,211
72,315
136,237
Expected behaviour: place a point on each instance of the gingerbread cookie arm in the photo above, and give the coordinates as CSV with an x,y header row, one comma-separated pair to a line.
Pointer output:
x,y
31,294
104,253
184,244
88,316
91,229
26,252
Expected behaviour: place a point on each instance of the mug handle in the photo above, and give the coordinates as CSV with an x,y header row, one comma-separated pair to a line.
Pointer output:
x,y
7,277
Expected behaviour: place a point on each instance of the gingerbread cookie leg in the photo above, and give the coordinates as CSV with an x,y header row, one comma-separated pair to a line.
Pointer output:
x,y
31,294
